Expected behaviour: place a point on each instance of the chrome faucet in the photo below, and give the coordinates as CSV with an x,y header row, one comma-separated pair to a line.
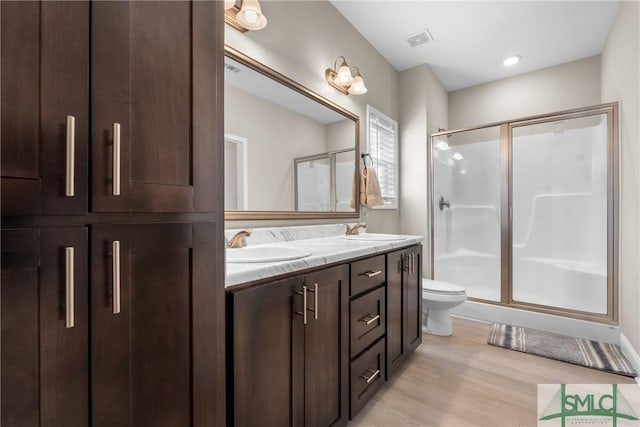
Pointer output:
x,y
239,240
442,203
351,231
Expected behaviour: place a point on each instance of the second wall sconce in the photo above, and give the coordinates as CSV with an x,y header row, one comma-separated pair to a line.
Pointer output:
x,y
248,16
342,78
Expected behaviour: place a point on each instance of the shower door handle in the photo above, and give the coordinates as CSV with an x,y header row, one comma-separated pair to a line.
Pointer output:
x,y
442,203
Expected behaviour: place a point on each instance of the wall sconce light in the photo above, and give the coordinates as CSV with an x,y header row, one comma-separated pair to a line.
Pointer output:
x,y
341,78
246,17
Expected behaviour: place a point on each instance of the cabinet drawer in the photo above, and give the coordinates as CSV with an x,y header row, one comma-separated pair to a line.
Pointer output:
x,y
367,274
367,373
367,320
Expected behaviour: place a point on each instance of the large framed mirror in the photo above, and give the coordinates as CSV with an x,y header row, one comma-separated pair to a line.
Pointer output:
x,y
289,152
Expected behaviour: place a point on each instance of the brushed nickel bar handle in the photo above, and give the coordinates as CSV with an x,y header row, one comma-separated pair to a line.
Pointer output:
x,y
369,319
69,189
116,276
371,274
303,313
116,159
69,291
371,377
413,263
315,301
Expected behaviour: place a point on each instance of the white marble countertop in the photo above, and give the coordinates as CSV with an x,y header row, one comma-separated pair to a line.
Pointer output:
x,y
324,250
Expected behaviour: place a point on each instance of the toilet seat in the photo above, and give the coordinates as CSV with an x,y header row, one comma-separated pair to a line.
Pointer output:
x,y
437,287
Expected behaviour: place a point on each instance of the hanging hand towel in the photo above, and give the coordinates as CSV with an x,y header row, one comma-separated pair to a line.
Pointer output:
x,y
370,194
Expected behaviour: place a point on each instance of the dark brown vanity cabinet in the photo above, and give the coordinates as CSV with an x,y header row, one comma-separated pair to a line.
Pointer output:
x,y
404,305
45,107
152,309
367,330
153,92
290,362
141,85
148,69
44,360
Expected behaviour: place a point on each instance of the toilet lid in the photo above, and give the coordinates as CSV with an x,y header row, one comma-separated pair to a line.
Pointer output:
x,y
441,287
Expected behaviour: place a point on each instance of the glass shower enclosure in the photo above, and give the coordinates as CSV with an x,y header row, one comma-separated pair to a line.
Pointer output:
x,y
524,212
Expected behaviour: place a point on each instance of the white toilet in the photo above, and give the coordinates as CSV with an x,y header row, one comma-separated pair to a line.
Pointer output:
x,y
438,298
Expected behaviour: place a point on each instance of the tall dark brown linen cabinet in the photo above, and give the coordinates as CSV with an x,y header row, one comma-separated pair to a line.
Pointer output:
x,y
112,291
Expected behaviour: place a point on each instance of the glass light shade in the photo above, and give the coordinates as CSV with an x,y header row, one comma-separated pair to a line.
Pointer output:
x,y
250,15
228,4
357,86
343,77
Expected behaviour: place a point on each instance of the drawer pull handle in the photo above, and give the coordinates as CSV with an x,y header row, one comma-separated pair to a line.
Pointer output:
x,y
371,274
373,376
303,313
369,319
116,276
71,149
116,159
315,301
69,320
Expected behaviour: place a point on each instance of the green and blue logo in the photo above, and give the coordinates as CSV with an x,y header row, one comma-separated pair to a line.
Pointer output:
x,y
594,406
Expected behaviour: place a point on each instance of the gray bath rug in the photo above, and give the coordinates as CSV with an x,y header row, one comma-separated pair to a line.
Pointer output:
x,y
592,354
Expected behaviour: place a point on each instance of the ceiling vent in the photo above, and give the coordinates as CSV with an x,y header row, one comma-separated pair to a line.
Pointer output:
x,y
232,68
419,38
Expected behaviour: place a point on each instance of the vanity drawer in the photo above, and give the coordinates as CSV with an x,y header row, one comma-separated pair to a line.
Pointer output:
x,y
367,376
367,274
367,322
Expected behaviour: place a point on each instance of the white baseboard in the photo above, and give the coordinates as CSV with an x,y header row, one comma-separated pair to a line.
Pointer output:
x,y
631,354
545,322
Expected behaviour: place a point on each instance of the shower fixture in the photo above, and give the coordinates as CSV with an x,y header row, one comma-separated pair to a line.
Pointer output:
x,y
442,203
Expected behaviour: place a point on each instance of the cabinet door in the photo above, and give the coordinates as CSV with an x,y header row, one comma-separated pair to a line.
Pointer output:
x,y
326,346
44,79
44,340
395,311
157,73
412,288
263,336
157,344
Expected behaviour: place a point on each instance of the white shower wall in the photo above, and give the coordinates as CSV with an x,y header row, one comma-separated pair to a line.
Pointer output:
x,y
560,215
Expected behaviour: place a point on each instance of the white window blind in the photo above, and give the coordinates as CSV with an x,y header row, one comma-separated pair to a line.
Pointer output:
x,y
382,141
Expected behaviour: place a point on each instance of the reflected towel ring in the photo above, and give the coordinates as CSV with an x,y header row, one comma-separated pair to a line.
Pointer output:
x,y
364,159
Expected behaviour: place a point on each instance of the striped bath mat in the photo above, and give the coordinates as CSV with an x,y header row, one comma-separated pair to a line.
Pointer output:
x,y
592,354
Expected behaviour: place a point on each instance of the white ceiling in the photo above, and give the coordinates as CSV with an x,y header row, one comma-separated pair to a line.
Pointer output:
x,y
472,38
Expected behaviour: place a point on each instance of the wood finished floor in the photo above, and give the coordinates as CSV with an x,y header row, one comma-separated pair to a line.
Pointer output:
x,y
462,381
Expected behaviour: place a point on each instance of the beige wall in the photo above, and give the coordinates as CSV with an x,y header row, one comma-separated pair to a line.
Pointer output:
x,y
301,40
270,151
562,87
423,109
340,135
620,82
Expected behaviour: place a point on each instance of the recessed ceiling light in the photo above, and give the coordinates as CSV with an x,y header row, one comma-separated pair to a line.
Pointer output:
x,y
512,60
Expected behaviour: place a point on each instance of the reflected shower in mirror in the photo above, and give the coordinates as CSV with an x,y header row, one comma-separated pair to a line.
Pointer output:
x,y
288,151
323,181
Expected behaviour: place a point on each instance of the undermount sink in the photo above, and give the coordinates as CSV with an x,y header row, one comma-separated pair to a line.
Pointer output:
x,y
372,237
264,254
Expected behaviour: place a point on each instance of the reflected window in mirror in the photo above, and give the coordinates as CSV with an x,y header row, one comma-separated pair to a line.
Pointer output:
x,y
288,151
